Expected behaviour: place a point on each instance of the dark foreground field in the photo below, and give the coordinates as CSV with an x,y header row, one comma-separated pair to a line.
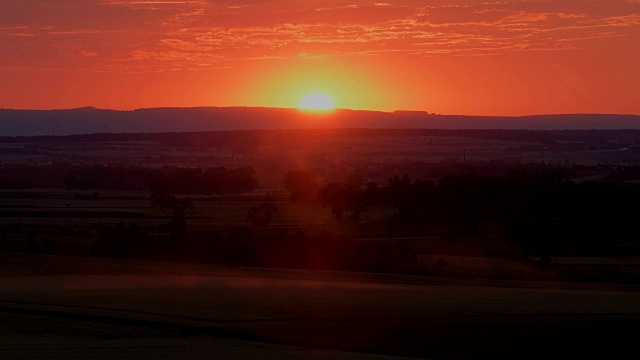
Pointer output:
x,y
418,244
98,308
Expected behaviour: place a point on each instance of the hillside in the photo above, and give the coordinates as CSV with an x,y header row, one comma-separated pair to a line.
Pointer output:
x,y
90,120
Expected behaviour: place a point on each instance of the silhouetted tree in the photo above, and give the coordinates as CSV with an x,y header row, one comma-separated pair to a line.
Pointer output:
x,y
301,184
242,180
343,197
162,198
119,240
222,181
261,215
185,181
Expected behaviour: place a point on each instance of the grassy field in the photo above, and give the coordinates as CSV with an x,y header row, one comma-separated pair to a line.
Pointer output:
x,y
40,206
70,306
272,153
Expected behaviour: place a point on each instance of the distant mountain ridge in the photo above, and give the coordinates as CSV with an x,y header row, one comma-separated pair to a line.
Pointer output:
x,y
89,120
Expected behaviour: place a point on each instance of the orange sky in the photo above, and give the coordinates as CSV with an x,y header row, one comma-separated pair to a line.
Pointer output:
x,y
476,57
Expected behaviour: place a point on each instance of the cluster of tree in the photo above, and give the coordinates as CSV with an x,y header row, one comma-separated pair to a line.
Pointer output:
x,y
408,196
102,177
451,166
176,180
302,185
212,181
261,215
161,197
542,212
16,176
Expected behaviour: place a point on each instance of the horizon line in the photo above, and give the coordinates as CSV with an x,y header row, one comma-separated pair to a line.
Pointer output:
x,y
327,112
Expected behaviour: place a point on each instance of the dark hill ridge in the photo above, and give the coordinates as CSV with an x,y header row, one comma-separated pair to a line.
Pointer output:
x,y
88,120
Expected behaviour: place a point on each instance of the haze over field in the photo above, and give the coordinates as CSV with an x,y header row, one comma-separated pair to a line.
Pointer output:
x,y
90,120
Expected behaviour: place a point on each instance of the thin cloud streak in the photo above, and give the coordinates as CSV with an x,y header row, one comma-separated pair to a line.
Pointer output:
x,y
183,31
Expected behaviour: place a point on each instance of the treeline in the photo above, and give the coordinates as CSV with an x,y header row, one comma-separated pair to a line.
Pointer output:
x,y
410,196
518,215
352,195
542,211
250,138
217,180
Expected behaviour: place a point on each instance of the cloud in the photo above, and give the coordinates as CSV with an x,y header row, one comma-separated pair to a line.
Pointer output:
x,y
186,45
187,34
571,16
149,4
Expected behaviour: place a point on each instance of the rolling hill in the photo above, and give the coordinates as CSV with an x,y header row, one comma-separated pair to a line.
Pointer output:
x,y
89,120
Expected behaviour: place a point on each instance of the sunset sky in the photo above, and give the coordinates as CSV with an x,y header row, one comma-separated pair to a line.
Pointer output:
x,y
475,57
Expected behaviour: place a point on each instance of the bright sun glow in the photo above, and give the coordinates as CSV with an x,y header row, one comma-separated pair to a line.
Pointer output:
x,y
316,101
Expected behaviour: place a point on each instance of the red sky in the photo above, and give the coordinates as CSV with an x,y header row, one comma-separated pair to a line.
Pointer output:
x,y
476,57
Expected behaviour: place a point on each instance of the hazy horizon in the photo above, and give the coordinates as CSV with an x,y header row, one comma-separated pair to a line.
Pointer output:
x,y
89,120
426,111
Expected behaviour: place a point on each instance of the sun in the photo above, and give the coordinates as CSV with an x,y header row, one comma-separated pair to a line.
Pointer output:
x,y
316,101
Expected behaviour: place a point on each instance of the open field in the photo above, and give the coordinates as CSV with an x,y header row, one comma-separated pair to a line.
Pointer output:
x,y
198,311
332,153
67,207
